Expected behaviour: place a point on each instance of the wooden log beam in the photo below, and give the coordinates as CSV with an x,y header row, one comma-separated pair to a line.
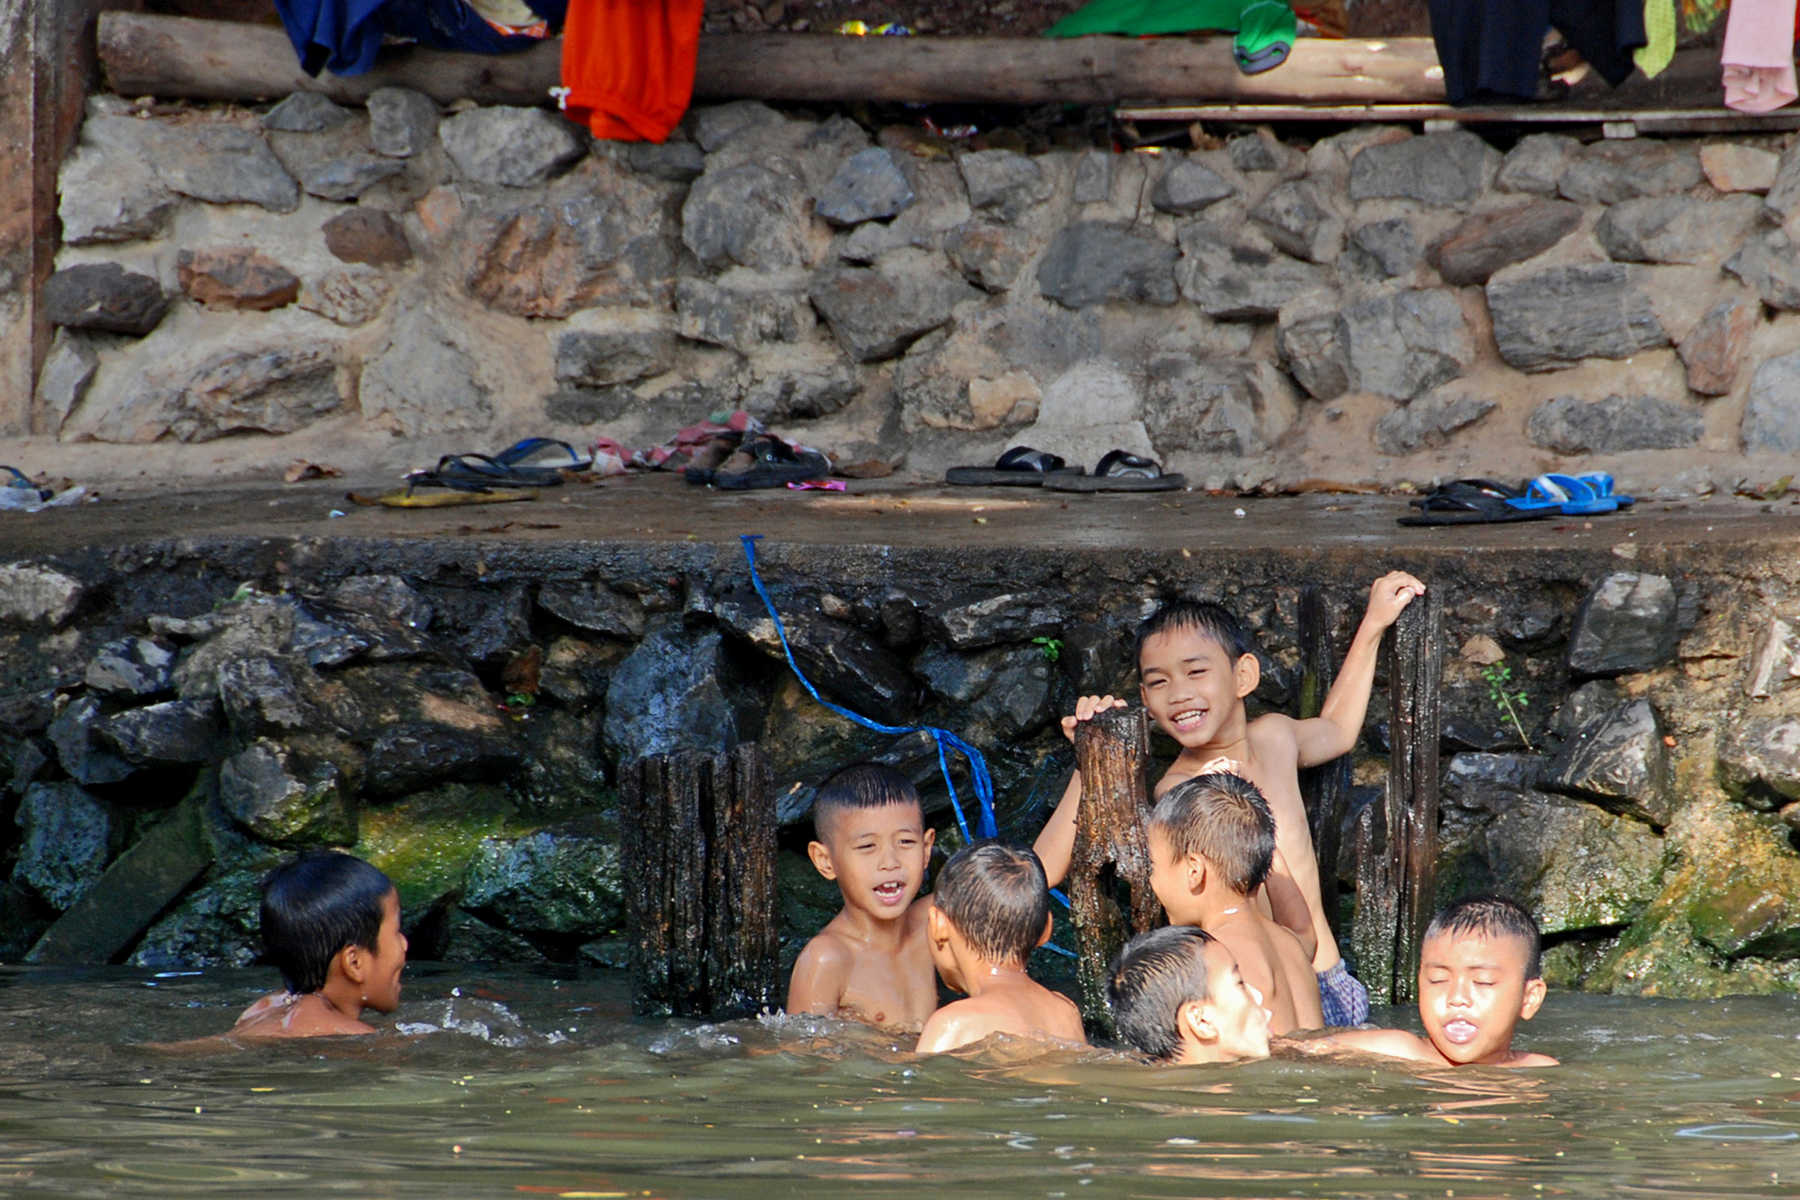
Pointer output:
x,y
219,60
1112,752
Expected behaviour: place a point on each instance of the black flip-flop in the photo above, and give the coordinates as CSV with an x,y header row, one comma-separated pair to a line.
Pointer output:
x,y
1119,471
1471,502
1020,466
480,472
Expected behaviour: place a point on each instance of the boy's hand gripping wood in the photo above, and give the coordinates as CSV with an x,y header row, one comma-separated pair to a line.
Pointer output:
x,y
1112,751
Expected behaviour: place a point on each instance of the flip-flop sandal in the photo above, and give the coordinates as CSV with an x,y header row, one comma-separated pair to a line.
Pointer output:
x,y
480,472
1564,493
1119,471
764,461
15,478
540,452
1020,466
407,498
1465,502
1602,485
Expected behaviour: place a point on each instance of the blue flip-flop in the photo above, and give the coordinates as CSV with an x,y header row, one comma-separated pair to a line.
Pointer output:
x,y
1568,494
1602,483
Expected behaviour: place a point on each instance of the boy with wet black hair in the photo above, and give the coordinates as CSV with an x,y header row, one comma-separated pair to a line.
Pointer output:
x,y
990,910
331,925
1177,996
1479,976
871,962
1196,666
1211,840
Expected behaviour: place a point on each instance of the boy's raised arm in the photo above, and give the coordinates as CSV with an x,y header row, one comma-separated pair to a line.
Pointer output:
x,y
1334,731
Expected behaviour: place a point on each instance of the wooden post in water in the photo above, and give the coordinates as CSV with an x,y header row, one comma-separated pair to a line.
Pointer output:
x,y
1325,789
1396,881
697,848
1112,751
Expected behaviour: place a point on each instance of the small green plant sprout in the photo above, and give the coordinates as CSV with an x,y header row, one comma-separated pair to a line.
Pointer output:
x,y
1051,648
1507,700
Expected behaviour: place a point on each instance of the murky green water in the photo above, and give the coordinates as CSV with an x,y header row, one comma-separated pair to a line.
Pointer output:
x,y
522,1084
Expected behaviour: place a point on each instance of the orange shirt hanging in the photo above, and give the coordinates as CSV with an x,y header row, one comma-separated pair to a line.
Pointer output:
x,y
628,65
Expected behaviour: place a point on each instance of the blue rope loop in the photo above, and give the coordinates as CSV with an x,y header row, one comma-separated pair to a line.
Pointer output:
x,y
978,770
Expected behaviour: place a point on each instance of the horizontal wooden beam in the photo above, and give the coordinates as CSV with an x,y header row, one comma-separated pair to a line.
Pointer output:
x,y
218,60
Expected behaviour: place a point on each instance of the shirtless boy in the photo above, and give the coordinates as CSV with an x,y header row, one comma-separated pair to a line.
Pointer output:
x,y
1176,995
1478,978
871,962
990,909
1211,840
331,923
1195,667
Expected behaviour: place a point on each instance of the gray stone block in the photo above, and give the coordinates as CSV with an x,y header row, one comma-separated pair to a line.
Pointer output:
x,y
1570,425
1628,623
1187,187
1443,169
1759,761
349,177
1090,263
1428,420
1488,241
402,122
511,147
423,382
601,358
1094,177
740,318
1677,229
305,112
1608,172
104,296
877,314
1617,760
67,838
672,162
1384,249
989,255
1536,163
752,215
1297,219
1771,423
1004,180
1406,342
1233,273
868,187
1769,265
223,164
1233,407
1713,351
1557,316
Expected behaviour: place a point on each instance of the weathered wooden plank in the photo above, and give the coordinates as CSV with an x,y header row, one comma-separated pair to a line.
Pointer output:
x,y
1112,752
218,60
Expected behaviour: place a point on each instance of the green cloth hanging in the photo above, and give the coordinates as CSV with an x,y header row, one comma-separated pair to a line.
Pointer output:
x,y
1659,27
1265,29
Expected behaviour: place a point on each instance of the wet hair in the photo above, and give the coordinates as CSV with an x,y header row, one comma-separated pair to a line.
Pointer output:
x,y
1225,820
859,785
1211,621
315,905
997,898
1490,917
1150,979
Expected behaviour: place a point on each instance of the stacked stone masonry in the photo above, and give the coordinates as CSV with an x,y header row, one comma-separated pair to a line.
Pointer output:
x,y
1373,307
176,717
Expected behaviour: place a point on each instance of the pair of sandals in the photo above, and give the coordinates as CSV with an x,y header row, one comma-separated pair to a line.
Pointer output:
x,y
531,462
1484,501
762,461
1022,466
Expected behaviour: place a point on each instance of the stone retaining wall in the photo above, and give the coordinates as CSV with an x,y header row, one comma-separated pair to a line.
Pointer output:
x,y
177,716
1376,306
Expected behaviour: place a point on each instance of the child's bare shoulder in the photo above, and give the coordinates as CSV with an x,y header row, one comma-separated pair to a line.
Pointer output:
x,y
1273,737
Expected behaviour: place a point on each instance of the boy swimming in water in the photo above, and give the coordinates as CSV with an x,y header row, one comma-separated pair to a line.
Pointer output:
x,y
1195,667
1177,996
1479,976
871,962
990,909
331,924
1211,841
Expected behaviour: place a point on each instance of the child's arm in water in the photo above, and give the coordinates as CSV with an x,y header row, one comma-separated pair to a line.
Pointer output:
x,y
1388,1043
1055,846
820,973
1334,731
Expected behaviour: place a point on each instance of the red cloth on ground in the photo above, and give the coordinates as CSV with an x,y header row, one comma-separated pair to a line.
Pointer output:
x,y
628,65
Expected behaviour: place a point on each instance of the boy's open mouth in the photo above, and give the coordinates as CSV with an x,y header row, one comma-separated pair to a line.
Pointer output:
x,y
1460,1032
890,892
1189,718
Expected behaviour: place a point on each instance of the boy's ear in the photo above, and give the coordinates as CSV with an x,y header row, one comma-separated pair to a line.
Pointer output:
x,y
930,841
1247,674
1049,928
1196,874
1194,1020
937,926
1534,998
820,854
352,961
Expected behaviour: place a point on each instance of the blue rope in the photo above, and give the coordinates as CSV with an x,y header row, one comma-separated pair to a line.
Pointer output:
x,y
978,771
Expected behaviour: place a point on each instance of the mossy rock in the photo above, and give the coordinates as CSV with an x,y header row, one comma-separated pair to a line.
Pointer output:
x,y
217,925
425,842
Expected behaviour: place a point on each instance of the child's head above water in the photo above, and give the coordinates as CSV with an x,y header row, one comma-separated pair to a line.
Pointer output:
x,y
1479,976
324,904
1219,818
1176,995
996,898
870,838
1196,664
